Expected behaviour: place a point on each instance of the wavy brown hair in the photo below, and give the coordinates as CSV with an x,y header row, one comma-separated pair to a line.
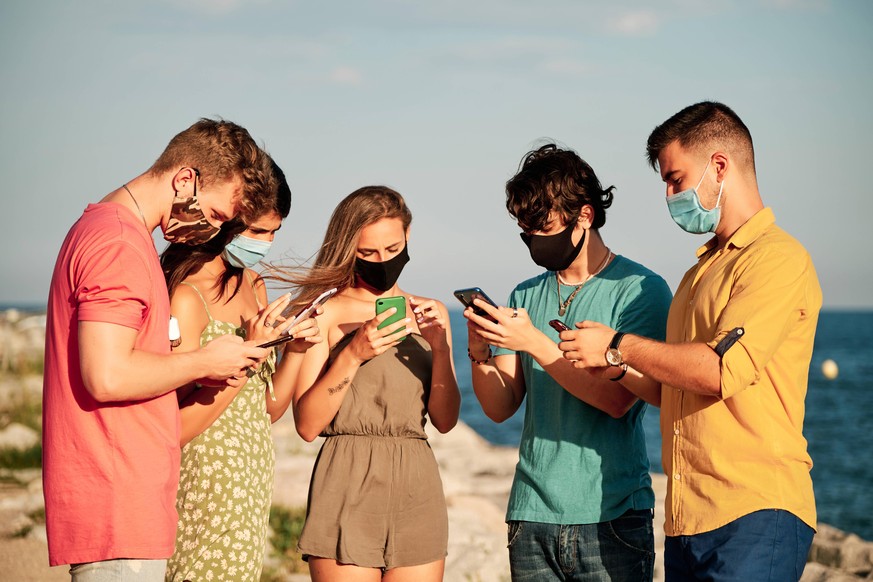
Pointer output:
x,y
334,265
220,151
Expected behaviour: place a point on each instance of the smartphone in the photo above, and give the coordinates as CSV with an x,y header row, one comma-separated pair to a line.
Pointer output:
x,y
559,325
466,296
306,313
383,304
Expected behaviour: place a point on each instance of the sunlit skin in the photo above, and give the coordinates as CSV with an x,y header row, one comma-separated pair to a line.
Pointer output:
x,y
500,385
690,366
112,368
201,407
320,393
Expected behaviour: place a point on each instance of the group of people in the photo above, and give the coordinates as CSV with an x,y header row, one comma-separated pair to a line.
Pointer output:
x,y
158,397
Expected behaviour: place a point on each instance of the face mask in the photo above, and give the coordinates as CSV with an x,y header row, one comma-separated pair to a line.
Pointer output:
x,y
689,214
382,276
187,223
554,252
245,252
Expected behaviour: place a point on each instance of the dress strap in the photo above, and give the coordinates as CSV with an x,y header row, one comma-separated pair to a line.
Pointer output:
x,y
205,304
254,289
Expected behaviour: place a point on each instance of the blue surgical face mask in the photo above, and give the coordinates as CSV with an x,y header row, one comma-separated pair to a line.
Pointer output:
x,y
245,252
689,214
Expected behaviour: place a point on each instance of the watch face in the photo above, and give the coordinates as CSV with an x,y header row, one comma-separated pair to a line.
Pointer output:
x,y
613,357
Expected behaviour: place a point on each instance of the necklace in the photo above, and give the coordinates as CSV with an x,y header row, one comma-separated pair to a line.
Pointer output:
x,y
563,305
141,215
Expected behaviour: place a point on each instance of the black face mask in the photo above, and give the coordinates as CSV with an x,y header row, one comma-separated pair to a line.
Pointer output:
x,y
554,252
382,276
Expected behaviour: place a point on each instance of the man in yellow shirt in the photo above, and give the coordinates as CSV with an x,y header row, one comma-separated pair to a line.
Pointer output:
x,y
734,367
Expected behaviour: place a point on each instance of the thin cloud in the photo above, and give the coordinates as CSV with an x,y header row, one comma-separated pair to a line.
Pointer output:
x,y
636,23
346,76
566,67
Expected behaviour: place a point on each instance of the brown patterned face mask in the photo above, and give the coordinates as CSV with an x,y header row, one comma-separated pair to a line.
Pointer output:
x,y
187,223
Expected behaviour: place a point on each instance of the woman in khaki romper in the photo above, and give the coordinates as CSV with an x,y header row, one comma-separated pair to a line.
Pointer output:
x,y
376,507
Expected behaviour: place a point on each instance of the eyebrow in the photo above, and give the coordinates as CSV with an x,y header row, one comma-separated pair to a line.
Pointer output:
x,y
363,249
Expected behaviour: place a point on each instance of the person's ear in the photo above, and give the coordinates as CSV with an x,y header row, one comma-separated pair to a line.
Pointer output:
x,y
721,162
183,181
586,216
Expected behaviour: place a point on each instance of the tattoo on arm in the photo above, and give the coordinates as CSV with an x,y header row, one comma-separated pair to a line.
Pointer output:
x,y
339,386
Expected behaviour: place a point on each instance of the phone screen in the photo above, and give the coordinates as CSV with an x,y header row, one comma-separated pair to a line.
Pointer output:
x,y
306,313
466,297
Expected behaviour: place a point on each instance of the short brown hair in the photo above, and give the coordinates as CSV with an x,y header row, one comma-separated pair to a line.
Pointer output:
x,y
704,125
221,151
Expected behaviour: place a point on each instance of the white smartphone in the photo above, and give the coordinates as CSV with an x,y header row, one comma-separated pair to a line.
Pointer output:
x,y
306,313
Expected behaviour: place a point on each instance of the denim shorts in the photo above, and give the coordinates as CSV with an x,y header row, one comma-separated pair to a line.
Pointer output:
x,y
770,545
119,571
619,550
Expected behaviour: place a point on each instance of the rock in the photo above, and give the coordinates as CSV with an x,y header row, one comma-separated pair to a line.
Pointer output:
x,y
18,437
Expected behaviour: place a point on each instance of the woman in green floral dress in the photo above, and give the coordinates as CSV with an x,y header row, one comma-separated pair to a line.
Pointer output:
x,y
226,479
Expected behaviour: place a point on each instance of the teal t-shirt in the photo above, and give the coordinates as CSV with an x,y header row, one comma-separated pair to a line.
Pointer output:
x,y
577,464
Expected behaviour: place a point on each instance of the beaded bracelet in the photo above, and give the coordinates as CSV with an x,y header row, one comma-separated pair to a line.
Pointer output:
x,y
620,376
480,362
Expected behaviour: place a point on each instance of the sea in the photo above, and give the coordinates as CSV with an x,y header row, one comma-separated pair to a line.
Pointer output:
x,y
838,425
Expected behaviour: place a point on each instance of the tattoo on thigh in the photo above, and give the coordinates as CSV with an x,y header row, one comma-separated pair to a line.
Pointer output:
x,y
339,386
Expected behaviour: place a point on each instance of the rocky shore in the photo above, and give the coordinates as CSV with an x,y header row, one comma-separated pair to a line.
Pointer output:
x,y
476,477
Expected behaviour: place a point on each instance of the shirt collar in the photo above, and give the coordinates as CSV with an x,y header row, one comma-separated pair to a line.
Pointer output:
x,y
746,234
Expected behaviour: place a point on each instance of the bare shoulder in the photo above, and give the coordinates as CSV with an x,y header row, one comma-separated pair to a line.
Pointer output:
x,y
187,304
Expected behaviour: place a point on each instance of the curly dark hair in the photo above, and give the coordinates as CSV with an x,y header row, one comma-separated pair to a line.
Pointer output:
x,y
551,179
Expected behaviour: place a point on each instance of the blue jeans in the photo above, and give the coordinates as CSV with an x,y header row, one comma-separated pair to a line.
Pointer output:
x,y
766,546
119,571
621,549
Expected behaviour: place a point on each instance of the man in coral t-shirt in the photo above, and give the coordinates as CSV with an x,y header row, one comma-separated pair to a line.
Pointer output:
x,y
110,415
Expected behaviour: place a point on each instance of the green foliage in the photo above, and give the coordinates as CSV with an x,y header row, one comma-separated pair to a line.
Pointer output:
x,y
286,525
21,459
24,408
35,517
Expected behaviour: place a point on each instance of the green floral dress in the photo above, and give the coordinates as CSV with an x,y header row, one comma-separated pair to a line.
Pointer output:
x,y
226,485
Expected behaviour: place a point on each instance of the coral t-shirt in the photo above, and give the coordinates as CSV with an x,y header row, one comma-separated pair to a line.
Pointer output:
x,y
110,470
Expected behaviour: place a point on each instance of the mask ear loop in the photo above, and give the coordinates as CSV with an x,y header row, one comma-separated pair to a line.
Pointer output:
x,y
703,175
717,200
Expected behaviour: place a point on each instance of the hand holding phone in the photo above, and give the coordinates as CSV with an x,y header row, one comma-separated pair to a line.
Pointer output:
x,y
466,296
559,325
383,304
307,312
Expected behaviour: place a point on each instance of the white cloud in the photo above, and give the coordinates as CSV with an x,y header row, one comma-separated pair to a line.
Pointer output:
x,y
636,23
345,76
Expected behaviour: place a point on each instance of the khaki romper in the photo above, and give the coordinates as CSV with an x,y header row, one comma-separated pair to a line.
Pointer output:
x,y
375,497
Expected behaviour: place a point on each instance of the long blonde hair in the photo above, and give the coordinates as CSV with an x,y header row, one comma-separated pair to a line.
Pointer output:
x,y
335,263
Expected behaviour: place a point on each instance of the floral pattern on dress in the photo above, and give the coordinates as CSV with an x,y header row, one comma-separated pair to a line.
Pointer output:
x,y
226,486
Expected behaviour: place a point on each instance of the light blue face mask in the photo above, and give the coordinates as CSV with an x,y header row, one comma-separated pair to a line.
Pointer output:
x,y
245,252
689,214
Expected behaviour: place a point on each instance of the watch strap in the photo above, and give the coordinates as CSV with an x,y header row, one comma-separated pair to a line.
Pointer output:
x,y
616,339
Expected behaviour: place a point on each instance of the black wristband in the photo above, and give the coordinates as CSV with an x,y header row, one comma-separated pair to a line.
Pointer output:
x,y
620,376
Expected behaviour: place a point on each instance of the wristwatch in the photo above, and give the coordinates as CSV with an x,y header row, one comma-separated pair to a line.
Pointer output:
x,y
613,355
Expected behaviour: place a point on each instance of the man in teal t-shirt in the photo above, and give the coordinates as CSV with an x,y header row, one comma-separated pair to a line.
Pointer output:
x,y
581,501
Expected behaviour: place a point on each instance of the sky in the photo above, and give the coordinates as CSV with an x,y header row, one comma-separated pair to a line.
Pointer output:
x,y
440,100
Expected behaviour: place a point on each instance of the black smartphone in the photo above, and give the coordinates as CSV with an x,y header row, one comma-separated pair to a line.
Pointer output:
x,y
466,296
306,313
383,304
559,325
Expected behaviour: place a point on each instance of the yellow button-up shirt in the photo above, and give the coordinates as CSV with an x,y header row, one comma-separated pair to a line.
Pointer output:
x,y
757,299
